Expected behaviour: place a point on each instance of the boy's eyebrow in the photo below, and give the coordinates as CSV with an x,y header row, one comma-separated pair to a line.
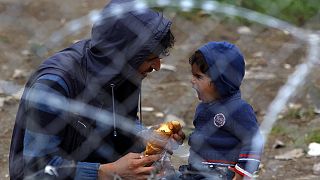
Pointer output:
x,y
196,74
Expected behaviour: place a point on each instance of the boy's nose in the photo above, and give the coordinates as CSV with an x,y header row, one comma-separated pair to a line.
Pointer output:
x,y
192,80
156,64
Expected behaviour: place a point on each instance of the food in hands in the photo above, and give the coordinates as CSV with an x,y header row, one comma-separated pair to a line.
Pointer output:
x,y
164,132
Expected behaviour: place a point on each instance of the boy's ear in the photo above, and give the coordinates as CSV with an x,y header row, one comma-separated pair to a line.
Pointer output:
x,y
212,84
216,92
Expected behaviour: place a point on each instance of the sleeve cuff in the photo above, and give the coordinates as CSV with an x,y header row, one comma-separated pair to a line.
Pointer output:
x,y
87,171
249,163
237,169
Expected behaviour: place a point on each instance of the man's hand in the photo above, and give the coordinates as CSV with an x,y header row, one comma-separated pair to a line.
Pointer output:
x,y
130,166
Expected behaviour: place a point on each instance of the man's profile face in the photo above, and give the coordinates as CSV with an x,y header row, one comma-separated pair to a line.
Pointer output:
x,y
151,63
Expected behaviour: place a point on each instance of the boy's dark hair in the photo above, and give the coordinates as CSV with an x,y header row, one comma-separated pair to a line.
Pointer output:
x,y
198,59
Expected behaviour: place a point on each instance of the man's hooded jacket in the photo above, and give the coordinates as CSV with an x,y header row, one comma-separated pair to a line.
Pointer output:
x,y
100,72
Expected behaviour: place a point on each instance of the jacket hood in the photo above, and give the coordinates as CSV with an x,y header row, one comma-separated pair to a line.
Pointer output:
x,y
121,42
226,66
118,46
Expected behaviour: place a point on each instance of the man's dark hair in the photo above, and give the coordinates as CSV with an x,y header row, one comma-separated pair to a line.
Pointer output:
x,y
198,59
167,42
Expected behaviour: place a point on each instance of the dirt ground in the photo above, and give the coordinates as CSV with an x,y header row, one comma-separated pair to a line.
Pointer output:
x,y
271,56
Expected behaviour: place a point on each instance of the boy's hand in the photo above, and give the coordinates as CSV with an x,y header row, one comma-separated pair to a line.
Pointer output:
x,y
174,141
237,177
179,137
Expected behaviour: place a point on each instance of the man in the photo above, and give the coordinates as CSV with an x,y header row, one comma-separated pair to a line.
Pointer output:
x,y
104,72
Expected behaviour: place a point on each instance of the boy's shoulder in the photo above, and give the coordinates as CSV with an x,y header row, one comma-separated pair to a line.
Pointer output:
x,y
236,102
232,107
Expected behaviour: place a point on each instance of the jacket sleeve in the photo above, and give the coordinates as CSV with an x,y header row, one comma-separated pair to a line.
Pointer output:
x,y
246,128
43,135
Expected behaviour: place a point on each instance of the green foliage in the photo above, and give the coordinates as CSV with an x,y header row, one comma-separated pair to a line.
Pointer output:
x,y
313,136
278,130
300,113
4,39
192,15
297,12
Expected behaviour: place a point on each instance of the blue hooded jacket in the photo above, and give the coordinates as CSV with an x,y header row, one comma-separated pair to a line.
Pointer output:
x,y
226,130
92,71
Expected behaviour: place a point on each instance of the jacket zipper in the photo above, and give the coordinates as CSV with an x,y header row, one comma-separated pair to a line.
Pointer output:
x,y
113,111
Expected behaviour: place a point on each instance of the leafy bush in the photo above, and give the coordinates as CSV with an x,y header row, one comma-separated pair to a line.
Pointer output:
x,y
297,12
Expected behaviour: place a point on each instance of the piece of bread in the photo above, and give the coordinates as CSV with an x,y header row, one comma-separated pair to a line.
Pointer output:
x,y
164,131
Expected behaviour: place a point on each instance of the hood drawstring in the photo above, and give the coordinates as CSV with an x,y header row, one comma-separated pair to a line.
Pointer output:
x,y
113,111
140,111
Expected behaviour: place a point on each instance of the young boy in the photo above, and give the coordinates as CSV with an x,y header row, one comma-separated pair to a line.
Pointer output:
x,y
226,143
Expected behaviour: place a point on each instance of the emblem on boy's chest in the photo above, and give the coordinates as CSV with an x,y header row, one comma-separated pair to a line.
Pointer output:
x,y
219,120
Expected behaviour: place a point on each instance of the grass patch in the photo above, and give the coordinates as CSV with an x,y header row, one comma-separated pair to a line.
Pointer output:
x,y
4,39
278,130
300,113
313,136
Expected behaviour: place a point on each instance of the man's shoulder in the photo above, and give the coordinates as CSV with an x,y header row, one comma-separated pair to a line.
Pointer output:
x,y
52,82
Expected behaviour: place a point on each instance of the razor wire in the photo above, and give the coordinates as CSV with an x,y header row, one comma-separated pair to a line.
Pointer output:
x,y
286,92
294,81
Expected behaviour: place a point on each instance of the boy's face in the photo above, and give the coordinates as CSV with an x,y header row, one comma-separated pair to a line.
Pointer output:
x,y
151,63
202,84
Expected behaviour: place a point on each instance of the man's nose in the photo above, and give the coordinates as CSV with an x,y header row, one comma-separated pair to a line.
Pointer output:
x,y
156,64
